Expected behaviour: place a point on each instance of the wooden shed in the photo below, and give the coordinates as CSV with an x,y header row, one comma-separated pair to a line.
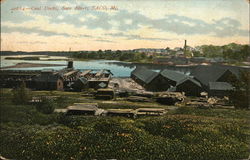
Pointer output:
x,y
105,94
219,89
215,73
100,79
150,80
189,86
143,77
49,80
228,75
154,81
80,84
165,80
81,110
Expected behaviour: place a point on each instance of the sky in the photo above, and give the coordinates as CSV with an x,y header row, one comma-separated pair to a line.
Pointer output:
x,y
63,25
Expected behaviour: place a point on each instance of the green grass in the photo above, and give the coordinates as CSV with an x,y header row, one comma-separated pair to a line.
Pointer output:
x,y
185,133
131,105
220,113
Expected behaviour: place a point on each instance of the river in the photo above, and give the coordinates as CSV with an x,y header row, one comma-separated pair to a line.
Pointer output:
x,y
118,68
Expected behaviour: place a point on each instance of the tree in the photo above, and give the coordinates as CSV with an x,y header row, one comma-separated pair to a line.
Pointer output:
x,y
211,51
46,106
240,97
21,95
197,53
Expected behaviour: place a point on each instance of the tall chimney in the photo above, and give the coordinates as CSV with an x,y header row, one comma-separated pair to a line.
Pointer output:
x,y
185,46
70,64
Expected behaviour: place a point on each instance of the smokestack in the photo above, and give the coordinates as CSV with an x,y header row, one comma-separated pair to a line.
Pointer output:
x,y
70,64
185,46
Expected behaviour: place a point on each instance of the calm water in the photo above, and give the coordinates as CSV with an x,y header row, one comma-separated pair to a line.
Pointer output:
x,y
118,70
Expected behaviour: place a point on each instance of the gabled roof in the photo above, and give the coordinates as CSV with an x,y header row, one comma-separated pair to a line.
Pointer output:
x,y
189,79
173,75
144,74
220,86
172,89
48,78
206,74
83,80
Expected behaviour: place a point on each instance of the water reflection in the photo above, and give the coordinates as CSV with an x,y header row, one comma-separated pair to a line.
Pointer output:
x,y
117,70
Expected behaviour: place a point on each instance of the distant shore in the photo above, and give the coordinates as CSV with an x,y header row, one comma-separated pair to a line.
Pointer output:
x,y
27,65
37,57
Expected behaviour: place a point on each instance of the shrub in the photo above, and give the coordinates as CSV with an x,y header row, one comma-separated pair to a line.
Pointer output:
x,y
25,115
46,106
240,96
21,95
63,101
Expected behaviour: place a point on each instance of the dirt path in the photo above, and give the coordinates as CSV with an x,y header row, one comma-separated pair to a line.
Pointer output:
x,y
126,84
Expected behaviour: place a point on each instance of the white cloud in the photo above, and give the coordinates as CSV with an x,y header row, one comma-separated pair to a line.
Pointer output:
x,y
114,23
189,23
128,21
60,17
82,19
91,16
153,10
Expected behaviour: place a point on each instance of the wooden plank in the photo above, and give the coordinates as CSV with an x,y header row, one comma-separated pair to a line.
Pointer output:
x,y
85,73
70,73
98,74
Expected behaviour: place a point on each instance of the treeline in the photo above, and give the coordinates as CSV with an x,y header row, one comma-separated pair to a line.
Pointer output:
x,y
230,51
113,55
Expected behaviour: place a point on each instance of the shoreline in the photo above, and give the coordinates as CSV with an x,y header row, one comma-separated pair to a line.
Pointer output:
x,y
30,65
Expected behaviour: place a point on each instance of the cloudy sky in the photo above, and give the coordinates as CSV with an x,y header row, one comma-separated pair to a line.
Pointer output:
x,y
56,25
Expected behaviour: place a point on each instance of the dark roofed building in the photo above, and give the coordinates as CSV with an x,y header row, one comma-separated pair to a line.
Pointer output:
x,y
165,80
228,75
150,80
206,74
143,76
99,79
80,84
190,86
219,89
173,77
214,73
49,80
154,81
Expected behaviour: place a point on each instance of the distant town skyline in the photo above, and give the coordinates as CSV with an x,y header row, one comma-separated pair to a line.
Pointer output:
x,y
58,25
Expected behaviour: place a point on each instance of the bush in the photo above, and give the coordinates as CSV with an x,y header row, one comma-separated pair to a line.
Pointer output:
x,y
240,96
25,115
63,101
21,95
171,137
46,106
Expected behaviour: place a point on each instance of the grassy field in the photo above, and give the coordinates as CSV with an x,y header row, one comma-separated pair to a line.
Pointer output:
x,y
183,133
